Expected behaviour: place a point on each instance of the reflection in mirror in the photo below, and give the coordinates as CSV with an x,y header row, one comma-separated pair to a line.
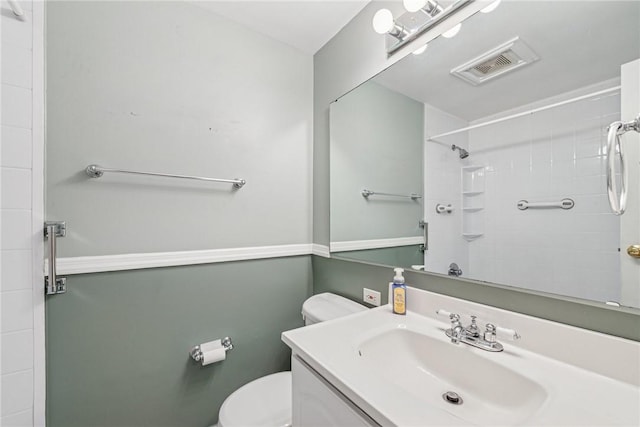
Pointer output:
x,y
503,132
376,175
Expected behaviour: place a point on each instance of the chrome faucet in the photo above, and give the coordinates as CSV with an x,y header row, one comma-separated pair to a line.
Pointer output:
x,y
472,336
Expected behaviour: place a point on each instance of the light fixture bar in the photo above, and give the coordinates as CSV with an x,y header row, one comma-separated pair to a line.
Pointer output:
x,y
414,34
432,8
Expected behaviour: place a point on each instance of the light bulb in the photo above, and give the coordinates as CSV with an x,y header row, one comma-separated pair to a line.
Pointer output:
x,y
383,21
491,7
452,32
420,50
414,5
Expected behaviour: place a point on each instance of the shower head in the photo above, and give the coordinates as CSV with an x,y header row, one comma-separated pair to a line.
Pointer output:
x,y
463,153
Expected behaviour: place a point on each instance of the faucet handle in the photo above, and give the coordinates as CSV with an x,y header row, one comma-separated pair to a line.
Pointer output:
x,y
490,333
454,317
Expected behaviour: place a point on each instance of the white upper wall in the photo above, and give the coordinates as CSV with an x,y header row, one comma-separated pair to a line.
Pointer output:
x,y
169,87
304,24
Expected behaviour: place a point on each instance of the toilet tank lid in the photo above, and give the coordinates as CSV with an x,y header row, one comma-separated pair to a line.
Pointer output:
x,y
327,306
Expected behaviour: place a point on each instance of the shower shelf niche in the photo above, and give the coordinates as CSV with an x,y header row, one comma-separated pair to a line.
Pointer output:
x,y
473,187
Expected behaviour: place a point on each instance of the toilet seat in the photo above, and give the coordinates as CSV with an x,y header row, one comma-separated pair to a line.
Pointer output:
x,y
265,402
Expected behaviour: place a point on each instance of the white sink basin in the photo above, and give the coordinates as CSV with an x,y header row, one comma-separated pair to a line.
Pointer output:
x,y
428,367
396,369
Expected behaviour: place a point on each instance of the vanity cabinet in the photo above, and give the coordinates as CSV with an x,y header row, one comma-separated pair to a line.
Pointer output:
x,y
317,403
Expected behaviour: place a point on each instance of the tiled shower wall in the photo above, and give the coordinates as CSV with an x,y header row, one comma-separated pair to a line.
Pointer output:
x,y
549,156
442,186
17,379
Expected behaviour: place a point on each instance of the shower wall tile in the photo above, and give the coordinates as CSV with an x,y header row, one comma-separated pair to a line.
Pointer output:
x,y
16,147
17,311
16,270
16,106
16,229
17,351
16,153
548,156
16,66
20,419
16,188
443,183
17,392
16,33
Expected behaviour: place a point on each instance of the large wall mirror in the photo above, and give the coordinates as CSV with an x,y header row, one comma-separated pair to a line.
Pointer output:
x,y
497,140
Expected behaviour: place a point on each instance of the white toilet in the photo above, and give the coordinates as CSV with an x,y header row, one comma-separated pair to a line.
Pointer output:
x,y
266,402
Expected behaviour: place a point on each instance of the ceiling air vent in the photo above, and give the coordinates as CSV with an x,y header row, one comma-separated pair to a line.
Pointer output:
x,y
496,62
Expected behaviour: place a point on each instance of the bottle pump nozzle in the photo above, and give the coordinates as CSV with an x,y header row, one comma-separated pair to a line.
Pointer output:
x,y
398,278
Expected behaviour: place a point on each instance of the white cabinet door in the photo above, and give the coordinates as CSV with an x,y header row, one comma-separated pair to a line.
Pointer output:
x,y
316,403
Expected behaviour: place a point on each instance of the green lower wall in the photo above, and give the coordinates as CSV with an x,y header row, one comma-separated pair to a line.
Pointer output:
x,y
118,343
347,278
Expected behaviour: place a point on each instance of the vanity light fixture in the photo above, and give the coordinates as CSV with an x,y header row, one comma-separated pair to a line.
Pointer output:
x,y
430,7
491,7
422,15
383,23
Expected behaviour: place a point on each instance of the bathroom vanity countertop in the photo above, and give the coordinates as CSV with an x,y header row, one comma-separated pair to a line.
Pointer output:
x,y
396,368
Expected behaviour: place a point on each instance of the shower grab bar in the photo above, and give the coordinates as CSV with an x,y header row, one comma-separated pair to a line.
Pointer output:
x,y
562,204
95,171
615,131
412,196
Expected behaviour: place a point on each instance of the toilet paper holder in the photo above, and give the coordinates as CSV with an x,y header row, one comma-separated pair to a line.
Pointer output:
x,y
196,352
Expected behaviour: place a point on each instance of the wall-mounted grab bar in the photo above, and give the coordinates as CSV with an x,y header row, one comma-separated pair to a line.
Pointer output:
x,y
95,171
615,131
52,283
562,204
412,196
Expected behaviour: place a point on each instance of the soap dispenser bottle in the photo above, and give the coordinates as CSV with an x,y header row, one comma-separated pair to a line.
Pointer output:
x,y
399,292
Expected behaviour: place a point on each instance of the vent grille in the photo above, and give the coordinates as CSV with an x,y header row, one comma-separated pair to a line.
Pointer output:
x,y
507,57
493,65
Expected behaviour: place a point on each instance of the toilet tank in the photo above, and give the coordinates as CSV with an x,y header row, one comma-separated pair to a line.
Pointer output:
x,y
327,306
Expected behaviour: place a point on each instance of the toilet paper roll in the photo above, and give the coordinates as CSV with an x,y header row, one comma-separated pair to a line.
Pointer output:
x,y
213,356
211,345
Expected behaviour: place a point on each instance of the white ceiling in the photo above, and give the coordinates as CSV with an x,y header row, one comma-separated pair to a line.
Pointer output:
x,y
579,43
304,24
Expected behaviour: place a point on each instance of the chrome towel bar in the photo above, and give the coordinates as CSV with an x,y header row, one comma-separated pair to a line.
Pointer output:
x,y
95,171
412,196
